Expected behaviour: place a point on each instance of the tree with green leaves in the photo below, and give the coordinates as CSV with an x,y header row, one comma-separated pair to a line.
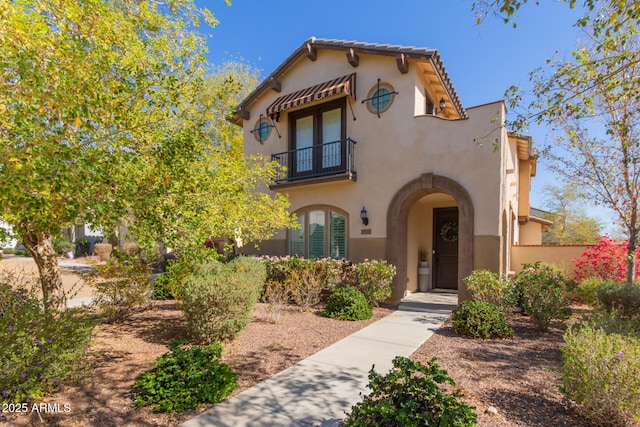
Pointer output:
x,y
571,223
591,104
107,113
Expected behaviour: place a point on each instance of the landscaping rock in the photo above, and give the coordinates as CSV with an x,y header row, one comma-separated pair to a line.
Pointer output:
x,y
491,410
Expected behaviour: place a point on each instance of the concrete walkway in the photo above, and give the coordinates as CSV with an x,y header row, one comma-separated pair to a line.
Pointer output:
x,y
320,389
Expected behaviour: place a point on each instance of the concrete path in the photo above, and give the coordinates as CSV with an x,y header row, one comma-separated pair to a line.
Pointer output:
x,y
320,389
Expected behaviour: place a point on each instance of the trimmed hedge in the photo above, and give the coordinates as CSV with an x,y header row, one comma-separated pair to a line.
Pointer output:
x,y
348,303
479,319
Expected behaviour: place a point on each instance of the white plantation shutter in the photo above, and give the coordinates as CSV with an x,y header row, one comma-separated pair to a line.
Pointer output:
x,y
337,235
296,238
316,234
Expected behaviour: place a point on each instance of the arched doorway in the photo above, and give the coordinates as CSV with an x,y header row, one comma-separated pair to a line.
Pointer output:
x,y
397,228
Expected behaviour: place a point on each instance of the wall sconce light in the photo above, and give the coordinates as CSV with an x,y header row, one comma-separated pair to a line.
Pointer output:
x,y
364,217
443,104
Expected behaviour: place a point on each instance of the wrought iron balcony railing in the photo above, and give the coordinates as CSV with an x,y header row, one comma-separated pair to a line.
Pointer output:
x,y
321,160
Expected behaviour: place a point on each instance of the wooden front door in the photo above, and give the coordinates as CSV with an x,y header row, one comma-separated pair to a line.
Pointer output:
x,y
445,244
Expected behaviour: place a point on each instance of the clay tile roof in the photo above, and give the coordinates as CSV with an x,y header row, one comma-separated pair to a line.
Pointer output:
x,y
409,52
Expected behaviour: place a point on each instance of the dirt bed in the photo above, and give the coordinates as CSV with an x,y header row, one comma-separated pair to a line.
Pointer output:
x,y
516,376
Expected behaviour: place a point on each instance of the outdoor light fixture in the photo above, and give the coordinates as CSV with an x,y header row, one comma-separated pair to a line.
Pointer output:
x,y
364,217
443,104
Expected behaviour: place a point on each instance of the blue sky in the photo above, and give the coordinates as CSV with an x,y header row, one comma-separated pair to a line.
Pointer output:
x,y
482,60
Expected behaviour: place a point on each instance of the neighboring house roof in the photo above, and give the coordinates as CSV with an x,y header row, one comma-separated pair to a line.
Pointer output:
x,y
538,212
535,215
352,48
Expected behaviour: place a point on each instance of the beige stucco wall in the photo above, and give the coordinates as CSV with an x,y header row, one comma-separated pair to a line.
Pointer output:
x,y
486,251
531,233
391,151
559,256
395,148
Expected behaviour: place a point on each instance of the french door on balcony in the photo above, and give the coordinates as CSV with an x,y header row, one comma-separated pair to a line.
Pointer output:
x,y
316,134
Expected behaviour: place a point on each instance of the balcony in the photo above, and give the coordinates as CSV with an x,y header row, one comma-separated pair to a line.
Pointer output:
x,y
331,161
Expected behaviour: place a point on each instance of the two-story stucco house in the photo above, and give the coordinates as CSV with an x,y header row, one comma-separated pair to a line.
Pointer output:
x,y
381,160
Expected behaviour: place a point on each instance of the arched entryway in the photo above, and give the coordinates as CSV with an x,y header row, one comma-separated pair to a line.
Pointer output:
x,y
397,227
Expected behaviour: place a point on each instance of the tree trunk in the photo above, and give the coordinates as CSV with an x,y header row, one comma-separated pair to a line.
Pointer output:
x,y
631,255
40,245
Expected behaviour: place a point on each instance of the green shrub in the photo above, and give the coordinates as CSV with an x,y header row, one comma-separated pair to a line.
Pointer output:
x,y
601,372
588,289
82,247
9,251
487,286
39,350
185,377
62,245
189,262
623,298
611,322
161,288
543,293
374,280
481,320
218,299
121,287
411,394
348,303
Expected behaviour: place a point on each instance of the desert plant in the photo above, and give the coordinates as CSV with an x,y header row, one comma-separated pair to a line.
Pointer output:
x,y
374,280
218,299
103,250
488,286
348,303
309,281
480,319
185,377
121,287
601,372
622,298
611,322
411,394
41,349
276,295
543,293
279,268
132,249
588,289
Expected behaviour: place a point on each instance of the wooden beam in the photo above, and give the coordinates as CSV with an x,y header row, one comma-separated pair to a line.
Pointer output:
x,y
312,53
403,64
243,114
352,58
275,84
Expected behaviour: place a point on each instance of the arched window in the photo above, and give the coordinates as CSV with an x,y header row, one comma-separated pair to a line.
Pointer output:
x,y
322,233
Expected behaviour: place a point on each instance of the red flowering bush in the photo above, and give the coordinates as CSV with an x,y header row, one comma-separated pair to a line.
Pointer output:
x,y
607,259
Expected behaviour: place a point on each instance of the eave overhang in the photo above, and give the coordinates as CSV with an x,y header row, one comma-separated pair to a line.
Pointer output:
x,y
352,49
